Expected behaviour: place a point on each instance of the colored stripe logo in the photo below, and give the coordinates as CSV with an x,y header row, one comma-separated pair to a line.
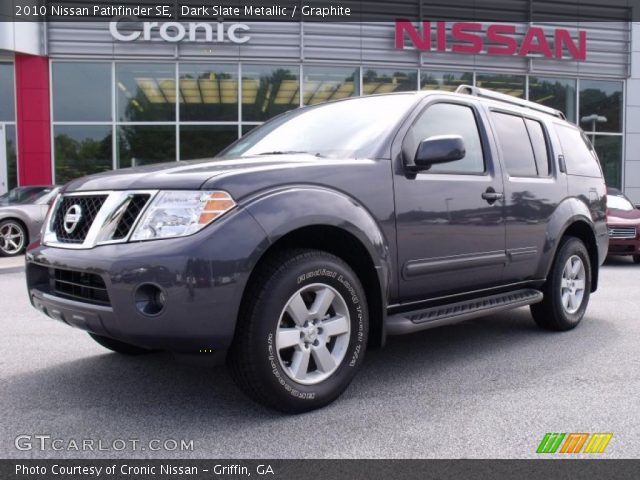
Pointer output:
x,y
574,442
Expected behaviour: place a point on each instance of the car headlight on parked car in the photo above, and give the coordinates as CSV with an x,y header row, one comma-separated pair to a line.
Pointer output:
x,y
180,213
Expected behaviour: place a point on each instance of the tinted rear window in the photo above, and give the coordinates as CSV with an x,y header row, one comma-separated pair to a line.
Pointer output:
x,y
515,145
578,154
539,144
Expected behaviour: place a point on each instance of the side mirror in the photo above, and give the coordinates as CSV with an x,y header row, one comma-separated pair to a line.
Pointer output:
x,y
439,149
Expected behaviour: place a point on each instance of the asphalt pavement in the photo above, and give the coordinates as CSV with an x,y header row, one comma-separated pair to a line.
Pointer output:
x,y
486,388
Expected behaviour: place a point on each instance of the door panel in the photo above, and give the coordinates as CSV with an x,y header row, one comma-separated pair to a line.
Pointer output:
x,y
449,238
533,188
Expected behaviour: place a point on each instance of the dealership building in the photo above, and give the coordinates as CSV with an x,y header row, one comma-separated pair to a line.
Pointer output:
x,y
83,97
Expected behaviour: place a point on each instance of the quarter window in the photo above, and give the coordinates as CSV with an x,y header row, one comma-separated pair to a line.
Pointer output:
x,y
448,119
578,153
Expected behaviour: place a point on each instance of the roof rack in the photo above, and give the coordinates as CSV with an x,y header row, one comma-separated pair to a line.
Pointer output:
x,y
501,97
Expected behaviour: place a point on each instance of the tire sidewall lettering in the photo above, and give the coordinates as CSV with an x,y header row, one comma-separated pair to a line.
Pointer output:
x,y
357,339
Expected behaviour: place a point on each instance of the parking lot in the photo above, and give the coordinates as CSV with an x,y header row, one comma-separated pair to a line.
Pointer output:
x,y
486,388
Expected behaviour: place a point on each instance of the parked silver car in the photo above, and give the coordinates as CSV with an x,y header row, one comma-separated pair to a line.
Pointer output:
x,y
22,211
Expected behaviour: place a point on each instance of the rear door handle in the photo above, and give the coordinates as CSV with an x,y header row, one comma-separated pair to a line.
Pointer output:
x,y
490,195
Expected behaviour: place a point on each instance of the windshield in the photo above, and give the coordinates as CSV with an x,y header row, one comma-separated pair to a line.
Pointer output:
x,y
25,195
619,203
350,128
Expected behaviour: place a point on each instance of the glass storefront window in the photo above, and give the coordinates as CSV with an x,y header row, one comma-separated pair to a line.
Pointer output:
x,y
205,141
247,128
12,157
81,91
268,91
322,84
388,80
448,81
558,93
81,150
600,106
7,96
208,92
144,144
609,149
146,92
513,85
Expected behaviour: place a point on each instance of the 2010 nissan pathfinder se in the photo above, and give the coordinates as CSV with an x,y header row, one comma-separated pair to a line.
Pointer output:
x,y
328,228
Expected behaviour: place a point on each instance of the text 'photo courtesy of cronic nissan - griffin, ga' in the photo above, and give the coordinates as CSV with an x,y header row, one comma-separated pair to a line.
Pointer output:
x,y
325,230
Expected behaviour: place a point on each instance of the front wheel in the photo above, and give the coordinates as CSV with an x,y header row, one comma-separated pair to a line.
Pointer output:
x,y
302,331
636,259
567,289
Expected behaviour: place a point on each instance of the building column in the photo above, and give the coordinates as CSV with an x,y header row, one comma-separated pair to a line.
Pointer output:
x,y
632,134
33,119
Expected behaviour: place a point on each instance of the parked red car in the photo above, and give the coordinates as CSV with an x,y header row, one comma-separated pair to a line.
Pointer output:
x,y
623,222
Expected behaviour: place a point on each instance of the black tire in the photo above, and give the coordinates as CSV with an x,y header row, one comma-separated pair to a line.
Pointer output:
x,y
15,232
551,313
636,259
255,362
119,347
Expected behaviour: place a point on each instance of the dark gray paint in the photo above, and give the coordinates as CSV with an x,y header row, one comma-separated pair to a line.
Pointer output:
x,y
420,249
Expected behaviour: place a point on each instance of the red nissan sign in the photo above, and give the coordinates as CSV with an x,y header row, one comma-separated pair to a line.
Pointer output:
x,y
495,39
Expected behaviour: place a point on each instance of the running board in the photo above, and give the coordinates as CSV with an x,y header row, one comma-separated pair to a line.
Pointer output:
x,y
413,321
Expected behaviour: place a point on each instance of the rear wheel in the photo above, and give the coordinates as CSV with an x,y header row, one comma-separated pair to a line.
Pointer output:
x,y
13,238
636,259
119,347
567,289
302,331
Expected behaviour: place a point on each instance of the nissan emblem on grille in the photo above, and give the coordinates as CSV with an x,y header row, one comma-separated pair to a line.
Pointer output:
x,y
72,218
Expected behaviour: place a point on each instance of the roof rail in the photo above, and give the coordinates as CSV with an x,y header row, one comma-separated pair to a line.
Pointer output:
x,y
501,97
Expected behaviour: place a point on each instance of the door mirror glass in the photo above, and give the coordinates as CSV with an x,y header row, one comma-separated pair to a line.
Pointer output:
x,y
439,149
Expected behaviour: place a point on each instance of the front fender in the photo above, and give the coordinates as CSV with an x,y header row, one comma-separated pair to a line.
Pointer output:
x,y
283,211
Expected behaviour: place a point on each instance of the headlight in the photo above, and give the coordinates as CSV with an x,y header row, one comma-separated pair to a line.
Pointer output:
x,y
181,213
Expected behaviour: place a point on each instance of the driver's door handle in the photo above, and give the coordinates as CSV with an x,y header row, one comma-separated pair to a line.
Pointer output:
x,y
490,195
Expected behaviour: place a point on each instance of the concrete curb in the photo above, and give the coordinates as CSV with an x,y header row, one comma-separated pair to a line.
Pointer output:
x,y
11,270
12,264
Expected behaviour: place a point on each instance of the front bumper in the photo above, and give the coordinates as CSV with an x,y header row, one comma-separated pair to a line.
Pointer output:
x,y
202,277
618,246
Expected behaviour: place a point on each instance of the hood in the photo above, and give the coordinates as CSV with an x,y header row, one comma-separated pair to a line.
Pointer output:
x,y
190,175
623,217
215,173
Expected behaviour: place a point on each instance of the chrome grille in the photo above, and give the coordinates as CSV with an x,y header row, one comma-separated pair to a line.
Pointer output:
x,y
130,215
89,208
106,217
622,232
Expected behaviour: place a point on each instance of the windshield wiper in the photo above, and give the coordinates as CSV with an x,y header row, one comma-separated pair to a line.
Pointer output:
x,y
281,152
289,152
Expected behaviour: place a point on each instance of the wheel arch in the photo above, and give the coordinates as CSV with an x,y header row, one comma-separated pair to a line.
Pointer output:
x,y
581,229
347,247
312,216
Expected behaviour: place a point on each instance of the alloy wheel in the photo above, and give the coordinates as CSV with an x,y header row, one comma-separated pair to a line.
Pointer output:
x,y
11,238
313,332
572,285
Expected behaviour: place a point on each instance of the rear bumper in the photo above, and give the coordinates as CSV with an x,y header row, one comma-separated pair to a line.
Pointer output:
x,y
202,278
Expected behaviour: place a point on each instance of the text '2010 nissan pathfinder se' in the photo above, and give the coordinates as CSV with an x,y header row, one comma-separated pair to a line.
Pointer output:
x,y
328,228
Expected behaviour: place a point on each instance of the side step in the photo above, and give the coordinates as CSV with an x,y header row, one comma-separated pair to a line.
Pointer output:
x,y
413,321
